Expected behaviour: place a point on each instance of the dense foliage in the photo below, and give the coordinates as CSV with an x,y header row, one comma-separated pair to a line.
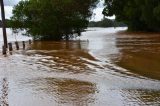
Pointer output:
x,y
53,19
106,23
137,14
7,21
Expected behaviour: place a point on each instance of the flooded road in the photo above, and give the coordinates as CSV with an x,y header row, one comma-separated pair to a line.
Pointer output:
x,y
104,67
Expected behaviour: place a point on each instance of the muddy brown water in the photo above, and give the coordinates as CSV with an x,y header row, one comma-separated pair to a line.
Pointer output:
x,y
104,67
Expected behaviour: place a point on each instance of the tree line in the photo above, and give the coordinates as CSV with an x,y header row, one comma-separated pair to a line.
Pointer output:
x,y
65,19
105,22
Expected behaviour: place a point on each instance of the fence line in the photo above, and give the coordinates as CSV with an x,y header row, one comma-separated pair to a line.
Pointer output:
x,y
17,46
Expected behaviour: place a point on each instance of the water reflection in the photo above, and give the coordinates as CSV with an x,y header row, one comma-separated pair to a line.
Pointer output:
x,y
68,92
63,45
141,97
139,53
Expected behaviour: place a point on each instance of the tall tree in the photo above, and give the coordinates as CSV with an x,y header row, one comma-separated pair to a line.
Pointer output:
x,y
137,14
53,19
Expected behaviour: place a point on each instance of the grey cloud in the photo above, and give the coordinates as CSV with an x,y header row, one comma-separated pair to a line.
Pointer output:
x,y
10,2
101,4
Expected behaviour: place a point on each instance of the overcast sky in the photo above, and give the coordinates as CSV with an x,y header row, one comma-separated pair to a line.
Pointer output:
x,y
10,3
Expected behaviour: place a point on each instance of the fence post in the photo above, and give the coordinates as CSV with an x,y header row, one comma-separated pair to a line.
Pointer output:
x,y
17,45
4,50
30,42
10,46
23,43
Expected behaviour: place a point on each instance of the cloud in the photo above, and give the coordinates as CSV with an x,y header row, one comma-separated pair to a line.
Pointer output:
x,y
8,12
96,17
97,14
101,4
10,2
8,7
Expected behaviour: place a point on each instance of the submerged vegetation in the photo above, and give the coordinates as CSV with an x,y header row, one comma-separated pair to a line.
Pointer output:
x,y
142,15
52,19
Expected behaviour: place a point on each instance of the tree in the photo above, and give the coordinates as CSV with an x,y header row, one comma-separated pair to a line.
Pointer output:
x,y
137,14
52,19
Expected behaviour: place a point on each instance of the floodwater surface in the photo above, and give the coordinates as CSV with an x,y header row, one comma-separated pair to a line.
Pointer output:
x,y
104,67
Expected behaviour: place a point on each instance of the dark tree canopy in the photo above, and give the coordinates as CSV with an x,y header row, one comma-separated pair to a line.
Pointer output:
x,y
52,19
137,14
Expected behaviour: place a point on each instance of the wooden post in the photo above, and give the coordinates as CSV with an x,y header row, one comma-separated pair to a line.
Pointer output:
x,y
4,50
17,45
30,42
10,46
3,24
23,43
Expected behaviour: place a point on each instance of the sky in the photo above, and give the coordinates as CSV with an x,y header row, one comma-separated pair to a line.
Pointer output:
x,y
96,17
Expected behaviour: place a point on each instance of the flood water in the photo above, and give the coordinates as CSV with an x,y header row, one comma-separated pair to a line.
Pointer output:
x,y
104,67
